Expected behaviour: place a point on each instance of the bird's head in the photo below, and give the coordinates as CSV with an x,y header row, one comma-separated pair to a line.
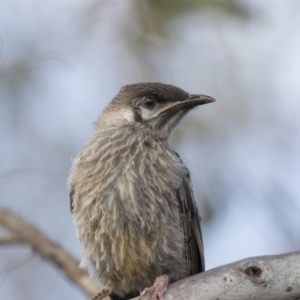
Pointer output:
x,y
156,105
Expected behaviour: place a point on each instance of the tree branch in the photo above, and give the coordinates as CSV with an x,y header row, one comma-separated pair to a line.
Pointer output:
x,y
48,250
10,240
275,277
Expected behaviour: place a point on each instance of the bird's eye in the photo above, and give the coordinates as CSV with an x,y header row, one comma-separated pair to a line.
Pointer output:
x,y
149,103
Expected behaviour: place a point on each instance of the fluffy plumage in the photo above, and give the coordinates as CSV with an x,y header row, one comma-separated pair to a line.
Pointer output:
x,y
131,194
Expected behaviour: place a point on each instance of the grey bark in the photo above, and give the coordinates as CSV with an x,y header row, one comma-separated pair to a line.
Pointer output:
x,y
259,278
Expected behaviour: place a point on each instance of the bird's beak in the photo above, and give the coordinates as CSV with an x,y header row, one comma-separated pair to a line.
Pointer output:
x,y
189,102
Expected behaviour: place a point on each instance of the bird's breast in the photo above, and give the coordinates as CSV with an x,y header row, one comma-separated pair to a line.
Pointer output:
x,y
125,205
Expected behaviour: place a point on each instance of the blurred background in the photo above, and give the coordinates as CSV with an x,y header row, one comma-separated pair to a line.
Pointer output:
x,y
61,62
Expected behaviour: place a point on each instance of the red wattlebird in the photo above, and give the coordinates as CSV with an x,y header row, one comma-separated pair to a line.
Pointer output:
x,y
131,195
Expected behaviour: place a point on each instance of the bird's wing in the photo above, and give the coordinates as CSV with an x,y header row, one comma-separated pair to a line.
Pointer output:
x,y
190,220
71,197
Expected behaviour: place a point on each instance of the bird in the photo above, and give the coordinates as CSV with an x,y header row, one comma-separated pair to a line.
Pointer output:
x,y
131,195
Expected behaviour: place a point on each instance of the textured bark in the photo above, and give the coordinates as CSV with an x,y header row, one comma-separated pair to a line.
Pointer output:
x,y
259,278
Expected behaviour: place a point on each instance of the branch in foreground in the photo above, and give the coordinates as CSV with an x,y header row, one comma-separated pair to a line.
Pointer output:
x,y
275,277
48,250
260,278
9,240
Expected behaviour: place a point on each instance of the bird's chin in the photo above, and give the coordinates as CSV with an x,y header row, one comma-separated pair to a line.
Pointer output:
x,y
165,124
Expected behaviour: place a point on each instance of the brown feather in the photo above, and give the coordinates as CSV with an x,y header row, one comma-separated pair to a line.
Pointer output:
x,y
71,194
194,252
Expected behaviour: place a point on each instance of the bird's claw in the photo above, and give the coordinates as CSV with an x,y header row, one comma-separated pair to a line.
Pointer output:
x,y
158,289
102,294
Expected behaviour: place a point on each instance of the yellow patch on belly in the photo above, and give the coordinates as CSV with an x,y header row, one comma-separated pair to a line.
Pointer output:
x,y
131,254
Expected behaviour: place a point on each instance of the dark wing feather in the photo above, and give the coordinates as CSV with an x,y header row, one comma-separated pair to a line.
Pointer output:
x,y
71,198
190,220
